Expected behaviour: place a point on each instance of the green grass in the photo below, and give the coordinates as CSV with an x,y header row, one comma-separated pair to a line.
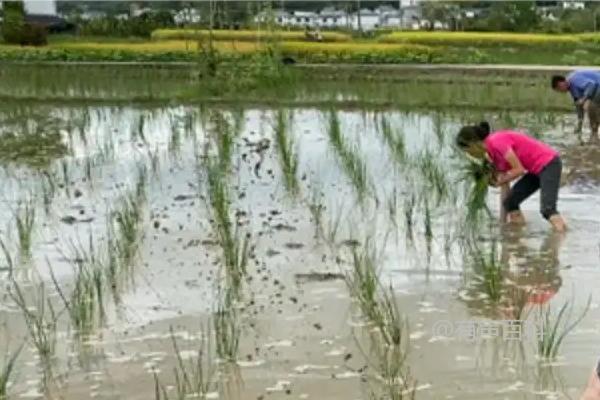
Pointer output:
x,y
288,157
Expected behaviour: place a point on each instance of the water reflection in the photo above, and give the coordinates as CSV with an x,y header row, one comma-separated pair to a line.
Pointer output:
x,y
508,278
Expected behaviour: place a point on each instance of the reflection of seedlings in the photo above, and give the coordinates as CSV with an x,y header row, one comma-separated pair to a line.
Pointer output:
x,y
552,330
66,177
316,208
175,139
409,210
434,175
35,149
7,370
40,319
489,271
353,165
427,222
394,140
224,135
139,129
288,160
8,258
25,221
193,378
48,190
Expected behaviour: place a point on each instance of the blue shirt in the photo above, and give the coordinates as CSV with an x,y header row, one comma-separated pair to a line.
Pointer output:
x,y
583,84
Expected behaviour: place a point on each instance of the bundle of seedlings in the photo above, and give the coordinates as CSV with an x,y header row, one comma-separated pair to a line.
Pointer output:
x,y
477,175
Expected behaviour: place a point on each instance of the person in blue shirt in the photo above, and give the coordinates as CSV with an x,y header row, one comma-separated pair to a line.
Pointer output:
x,y
584,86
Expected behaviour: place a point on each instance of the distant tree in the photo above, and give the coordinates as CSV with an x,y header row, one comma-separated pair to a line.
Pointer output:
x,y
513,16
13,24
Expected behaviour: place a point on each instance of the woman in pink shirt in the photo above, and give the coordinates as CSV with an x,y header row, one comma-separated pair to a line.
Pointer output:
x,y
516,155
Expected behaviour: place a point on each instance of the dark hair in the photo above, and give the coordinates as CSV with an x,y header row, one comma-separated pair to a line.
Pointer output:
x,y
472,134
556,79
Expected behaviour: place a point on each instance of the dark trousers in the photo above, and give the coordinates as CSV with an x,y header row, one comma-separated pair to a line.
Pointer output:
x,y
548,181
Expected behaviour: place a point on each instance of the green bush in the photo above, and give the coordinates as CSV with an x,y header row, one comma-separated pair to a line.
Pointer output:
x,y
141,26
34,35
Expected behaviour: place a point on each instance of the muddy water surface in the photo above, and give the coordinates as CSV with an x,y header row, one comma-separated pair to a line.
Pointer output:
x,y
300,334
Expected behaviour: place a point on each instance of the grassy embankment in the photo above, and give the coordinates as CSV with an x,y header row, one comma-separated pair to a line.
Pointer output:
x,y
395,47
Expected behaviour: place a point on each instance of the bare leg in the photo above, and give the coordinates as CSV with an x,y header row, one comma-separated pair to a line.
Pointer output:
x,y
592,391
593,111
558,223
516,217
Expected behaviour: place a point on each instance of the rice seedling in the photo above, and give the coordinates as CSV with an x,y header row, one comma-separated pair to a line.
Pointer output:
x,y
85,304
194,378
234,243
128,219
352,164
394,141
553,329
288,158
41,321
477,176
363,282
227,332
6,371
25,223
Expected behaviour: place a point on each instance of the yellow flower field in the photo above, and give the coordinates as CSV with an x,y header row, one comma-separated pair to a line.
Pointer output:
x,y
241,35
479,38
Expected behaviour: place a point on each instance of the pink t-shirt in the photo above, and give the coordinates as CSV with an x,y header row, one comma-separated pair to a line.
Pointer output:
x,y
533,154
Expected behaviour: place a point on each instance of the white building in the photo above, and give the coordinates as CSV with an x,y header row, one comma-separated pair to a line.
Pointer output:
x,y
44,7
331,17
573,5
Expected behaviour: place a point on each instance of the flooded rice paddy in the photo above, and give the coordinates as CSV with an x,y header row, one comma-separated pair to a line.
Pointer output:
x,y
172,251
